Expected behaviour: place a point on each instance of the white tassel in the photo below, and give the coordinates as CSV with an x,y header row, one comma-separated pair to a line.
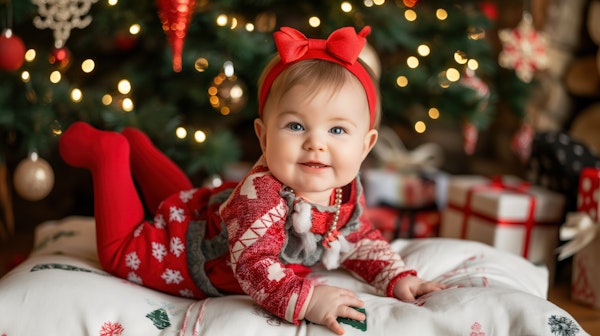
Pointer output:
x,y
301,222
333,255
301,217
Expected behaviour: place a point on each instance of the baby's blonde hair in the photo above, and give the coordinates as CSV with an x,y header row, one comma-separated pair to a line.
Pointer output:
x,y
317,75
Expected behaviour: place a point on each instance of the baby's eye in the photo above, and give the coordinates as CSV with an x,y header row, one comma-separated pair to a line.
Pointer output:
x,y
294,126
337,130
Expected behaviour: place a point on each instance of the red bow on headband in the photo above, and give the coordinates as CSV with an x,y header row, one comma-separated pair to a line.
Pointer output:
x,y
343,44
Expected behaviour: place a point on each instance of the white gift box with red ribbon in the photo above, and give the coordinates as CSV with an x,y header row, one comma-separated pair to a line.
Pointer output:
x,y
506,213
404,178
581,229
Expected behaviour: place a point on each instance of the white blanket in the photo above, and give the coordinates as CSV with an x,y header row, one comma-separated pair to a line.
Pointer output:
x,y
61,290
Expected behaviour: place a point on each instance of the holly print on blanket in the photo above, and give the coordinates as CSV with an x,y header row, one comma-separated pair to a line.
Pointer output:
x,y
159,318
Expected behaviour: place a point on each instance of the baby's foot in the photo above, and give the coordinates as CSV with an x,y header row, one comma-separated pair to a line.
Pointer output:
x,y
83,146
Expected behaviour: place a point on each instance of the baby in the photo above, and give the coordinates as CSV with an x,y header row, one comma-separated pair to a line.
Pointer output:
x,y
301,205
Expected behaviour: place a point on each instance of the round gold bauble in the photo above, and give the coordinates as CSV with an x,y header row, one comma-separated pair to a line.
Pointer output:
x,y
33,178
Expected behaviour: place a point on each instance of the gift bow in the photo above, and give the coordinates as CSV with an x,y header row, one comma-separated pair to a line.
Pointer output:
x,y
391,151
579,229
343,44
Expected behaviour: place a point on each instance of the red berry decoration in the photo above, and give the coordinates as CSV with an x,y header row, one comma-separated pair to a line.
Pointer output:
x,y
60,57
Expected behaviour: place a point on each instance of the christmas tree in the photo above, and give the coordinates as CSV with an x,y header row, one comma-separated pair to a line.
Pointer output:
x,y
185,72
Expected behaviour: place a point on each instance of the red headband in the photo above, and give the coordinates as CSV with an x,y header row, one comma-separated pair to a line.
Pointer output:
x,y
342,47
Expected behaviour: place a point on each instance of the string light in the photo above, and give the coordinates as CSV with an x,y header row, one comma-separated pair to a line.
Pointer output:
x,y
452,74
402,81
107,99
55,76
112,2
412,62
420,127
127,105
30,55
222,20
25,76
88,65
181,132
410,15
433,113
124,86
135,29
76,95
473,64
460,57
368,3
234,23
249,27
199,136
314,21
423,50
441,14
346,7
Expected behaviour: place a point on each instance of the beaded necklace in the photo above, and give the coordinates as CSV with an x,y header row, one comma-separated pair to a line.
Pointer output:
x,y
333,232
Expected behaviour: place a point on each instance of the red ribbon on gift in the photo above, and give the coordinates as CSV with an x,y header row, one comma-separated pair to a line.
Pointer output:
x,y
497,184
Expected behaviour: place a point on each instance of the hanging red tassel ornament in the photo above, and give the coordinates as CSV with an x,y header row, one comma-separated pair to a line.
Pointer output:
x,y
470,135
175,16
12,51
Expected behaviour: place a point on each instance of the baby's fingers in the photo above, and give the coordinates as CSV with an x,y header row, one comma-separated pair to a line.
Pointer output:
x,y
431,286
351,313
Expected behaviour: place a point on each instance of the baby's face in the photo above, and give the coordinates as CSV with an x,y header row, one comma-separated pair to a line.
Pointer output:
x,y
313,143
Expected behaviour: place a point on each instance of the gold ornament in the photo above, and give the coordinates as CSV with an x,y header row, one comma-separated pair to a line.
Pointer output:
x,y
33,178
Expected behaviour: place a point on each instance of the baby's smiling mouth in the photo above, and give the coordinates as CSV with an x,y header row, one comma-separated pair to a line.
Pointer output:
x,y
314,164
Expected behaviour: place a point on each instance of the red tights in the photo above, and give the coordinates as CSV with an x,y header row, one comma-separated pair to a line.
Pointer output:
x,y
118,209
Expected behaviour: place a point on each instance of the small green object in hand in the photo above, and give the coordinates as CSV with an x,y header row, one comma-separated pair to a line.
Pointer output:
x,y
360,325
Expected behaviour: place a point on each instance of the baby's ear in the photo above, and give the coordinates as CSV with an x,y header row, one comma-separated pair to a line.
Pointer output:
x,y
261,133
369,142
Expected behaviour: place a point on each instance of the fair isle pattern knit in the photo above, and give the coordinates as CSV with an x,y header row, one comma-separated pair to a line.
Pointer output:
x,y
258,216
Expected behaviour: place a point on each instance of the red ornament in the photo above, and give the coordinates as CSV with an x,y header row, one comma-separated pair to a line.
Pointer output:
x,y
12,51
175,16
489,9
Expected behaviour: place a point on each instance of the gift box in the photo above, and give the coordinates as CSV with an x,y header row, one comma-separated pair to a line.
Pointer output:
x,y
581,231
400,189
506,213
403,178
405,223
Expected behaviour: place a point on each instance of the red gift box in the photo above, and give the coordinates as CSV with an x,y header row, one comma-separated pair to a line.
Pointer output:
x,y
582,229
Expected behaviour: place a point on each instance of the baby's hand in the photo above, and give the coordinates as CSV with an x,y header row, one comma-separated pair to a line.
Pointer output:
x,y
411,287
328,303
